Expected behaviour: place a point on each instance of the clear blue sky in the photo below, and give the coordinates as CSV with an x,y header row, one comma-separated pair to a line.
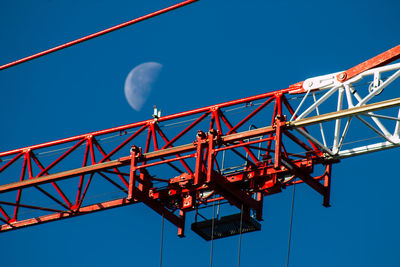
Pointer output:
x,y
211,52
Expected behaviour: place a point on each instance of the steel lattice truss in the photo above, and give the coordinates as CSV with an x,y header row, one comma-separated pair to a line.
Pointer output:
x,y
355,101
239,151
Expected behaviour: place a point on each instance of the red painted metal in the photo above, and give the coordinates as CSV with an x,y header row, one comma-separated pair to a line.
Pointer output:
x,y
197,159
97,34
382,59
63,215
378,61
190,160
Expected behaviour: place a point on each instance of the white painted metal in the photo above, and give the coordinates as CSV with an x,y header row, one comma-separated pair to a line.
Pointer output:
x,y
320,124
315,141
371,86
322,82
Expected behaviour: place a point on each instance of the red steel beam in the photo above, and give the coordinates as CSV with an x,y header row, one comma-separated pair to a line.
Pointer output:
x,y
378,61
97,34
234,194
261,177
235,137
126,161
305,177
231,192
62,175
63,215
143,192
142,123
250,116
29,206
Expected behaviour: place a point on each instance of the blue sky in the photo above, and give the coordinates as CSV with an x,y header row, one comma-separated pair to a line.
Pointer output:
x,y
211,52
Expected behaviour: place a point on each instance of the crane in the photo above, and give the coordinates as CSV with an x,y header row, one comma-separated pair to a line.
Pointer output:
x,y
182,162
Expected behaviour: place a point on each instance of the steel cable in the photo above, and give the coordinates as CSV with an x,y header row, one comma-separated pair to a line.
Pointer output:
x,y
212,235
162,239
290,225
240,234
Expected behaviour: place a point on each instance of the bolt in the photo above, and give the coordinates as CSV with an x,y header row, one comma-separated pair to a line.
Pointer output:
x,y
342,76
200,134
135,149
213,132
310,83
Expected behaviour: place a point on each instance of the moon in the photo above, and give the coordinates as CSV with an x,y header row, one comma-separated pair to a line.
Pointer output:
x,y
139,82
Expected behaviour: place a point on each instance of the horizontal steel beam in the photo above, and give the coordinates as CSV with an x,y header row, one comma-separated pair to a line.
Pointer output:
x,y
344,113
124,161
62,175
63,215
366,149
146,122
192,146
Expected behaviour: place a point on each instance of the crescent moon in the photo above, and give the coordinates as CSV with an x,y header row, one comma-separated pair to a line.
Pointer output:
x,y
139,82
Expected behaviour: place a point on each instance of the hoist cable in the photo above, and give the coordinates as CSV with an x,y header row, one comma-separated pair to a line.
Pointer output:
x,y
290,225
240,234
212,235
162,239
